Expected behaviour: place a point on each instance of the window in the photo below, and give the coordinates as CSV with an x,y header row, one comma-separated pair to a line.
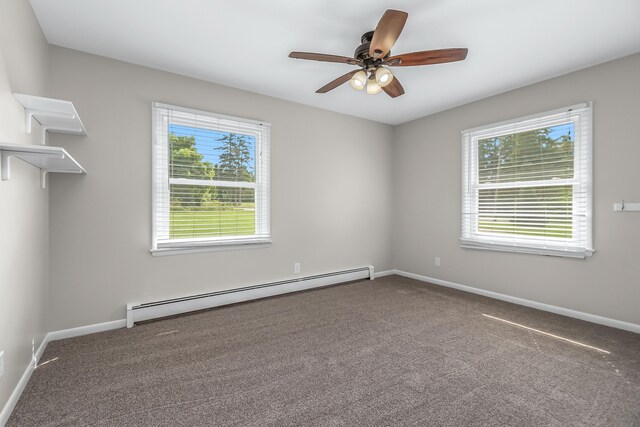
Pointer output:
x,y
210,180
526,184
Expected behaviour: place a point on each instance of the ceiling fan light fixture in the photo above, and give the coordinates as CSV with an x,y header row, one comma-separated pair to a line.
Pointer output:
x,y
374,52
372,86
359,80
383,76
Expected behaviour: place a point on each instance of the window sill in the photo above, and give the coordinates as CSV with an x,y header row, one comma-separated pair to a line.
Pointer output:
x,y
215,247
575,253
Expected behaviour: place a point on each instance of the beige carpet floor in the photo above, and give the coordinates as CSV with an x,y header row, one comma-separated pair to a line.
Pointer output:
x,y
387,352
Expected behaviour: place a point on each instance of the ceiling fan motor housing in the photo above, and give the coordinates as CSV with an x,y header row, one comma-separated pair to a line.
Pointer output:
x,y
367,37
362,53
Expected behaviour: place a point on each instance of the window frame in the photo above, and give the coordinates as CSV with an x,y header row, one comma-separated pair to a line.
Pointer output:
x,y
161,181
580,244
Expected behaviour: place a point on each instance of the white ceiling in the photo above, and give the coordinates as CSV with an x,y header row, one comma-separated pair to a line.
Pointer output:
x,y
245,43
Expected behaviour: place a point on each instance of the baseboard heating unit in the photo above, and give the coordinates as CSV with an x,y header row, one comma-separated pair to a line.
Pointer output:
x,y
171,307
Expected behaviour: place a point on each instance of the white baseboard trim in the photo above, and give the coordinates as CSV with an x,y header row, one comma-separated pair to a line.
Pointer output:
x,y
24,379
52,336
86,330
17,392
619,324
41,347
384,273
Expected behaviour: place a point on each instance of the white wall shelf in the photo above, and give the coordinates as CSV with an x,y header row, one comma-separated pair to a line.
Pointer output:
x,y
47,159
54,115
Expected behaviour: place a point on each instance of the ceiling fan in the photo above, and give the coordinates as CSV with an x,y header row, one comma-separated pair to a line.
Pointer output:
x,y
374,54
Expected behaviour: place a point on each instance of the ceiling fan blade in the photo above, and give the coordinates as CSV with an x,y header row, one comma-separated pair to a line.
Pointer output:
x,y
337,82
387,32
394,89
324,58
427,57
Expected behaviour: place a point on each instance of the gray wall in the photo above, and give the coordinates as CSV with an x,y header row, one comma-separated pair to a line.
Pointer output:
x,y
331,188
24,213
427,188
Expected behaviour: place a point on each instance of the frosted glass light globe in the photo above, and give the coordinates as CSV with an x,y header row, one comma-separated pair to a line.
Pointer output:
x,y
359,80
372,86
383,76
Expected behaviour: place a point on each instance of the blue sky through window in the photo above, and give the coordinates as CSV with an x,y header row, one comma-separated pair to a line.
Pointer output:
x,y
556,132
207,142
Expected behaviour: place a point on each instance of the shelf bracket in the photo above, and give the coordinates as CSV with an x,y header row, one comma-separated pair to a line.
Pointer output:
x,y
5,165
29,113
6,168
46,129
43,178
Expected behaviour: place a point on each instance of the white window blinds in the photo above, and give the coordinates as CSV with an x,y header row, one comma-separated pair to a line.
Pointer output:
x,y
210,179
527,184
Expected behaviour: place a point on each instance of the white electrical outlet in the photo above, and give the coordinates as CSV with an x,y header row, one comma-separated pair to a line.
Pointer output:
x,y
1,363
296,267
437,261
